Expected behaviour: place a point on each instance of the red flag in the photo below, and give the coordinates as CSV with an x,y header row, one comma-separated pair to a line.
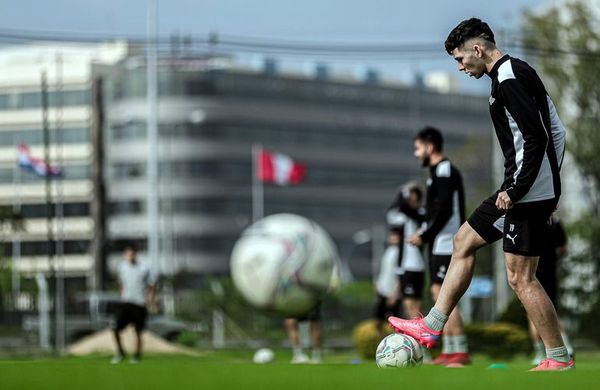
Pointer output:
x,y
279,169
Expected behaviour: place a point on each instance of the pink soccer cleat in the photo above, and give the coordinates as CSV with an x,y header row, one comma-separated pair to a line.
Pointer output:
x,y
552,365
416,329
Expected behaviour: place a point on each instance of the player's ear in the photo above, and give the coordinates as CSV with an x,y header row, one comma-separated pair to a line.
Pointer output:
x,y
478,50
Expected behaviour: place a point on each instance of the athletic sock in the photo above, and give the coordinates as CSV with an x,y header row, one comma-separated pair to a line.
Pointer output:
x,y
560,354
435,319
460,344
567,342
447,345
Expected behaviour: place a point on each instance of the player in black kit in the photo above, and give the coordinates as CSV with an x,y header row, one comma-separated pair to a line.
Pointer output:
x,y
445,213
532,138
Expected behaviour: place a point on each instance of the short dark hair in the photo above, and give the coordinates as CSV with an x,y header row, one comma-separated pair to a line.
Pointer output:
x,y
432,136
130,245
467,29
417,191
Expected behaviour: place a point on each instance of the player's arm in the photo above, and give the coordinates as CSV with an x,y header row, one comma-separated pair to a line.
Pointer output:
x,y
444,211
151,288
522,108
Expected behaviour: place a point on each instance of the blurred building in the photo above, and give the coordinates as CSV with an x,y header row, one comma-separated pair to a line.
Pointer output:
x,y
68,74
354,135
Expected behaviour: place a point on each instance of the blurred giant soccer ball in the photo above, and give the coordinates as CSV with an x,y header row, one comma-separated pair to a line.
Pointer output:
x,y
284,263
398,350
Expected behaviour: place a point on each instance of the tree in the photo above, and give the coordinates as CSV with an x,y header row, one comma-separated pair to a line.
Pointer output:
x,y
565,42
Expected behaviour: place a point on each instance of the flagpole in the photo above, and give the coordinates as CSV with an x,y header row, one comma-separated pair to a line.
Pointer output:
x,y
49,216
16,245
258,195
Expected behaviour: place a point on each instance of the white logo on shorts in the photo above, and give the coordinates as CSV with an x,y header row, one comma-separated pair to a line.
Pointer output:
x,y
512,238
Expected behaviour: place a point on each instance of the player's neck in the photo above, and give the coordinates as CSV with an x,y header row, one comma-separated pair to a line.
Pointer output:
x,y
435,159
494,56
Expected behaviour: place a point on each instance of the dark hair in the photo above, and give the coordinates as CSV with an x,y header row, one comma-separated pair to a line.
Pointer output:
x,y
432,136
417,191
467,29
130,245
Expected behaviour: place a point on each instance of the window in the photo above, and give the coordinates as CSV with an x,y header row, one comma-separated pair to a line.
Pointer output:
x,y
33,99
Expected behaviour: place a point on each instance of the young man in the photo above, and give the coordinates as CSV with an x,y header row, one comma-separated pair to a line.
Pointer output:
x,y
445,213
532,139
401,273
546,274
292,327
137,285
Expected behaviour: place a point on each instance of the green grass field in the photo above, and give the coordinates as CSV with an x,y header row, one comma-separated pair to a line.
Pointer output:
x,y
233,369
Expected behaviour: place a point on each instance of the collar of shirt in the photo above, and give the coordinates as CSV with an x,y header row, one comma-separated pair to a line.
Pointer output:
x,y
494,72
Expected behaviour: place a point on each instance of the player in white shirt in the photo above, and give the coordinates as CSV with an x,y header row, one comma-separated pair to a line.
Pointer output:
x,y
137,286
401,272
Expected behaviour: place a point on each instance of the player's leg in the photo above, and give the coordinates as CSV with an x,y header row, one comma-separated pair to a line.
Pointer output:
x,y
411,287
483,227
121,321
315,336
379,313
520,271
298,356
140,314
524,238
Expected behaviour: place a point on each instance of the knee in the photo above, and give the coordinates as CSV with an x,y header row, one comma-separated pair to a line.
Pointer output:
x,y
462,248
519,281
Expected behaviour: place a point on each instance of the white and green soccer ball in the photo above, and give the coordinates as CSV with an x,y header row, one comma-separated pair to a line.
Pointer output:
x,y
284,264
398,350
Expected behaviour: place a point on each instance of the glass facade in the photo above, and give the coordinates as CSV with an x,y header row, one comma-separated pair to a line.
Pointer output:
x,y
36,136
21,100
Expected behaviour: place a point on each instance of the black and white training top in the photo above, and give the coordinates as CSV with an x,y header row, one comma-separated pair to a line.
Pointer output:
x,y
445,207
531,134
405,222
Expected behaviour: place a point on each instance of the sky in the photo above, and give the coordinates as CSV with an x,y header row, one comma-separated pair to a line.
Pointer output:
x,y
323,21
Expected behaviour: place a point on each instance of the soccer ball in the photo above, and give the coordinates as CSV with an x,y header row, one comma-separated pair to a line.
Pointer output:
x,y
263,356
398,350
284,264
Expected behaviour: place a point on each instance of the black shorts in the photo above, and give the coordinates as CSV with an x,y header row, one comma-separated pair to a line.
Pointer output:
x,y
438,266
130,313
523,227
381,311
546,274
411,284
313,315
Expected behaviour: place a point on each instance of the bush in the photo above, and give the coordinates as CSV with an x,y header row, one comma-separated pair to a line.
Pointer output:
x,y
515,314
187,338
366,338
501,339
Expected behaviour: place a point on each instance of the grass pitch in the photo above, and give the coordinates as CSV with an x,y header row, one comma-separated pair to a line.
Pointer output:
x,y
234,370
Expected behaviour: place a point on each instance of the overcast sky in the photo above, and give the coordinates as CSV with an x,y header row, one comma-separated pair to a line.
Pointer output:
x,y
341,21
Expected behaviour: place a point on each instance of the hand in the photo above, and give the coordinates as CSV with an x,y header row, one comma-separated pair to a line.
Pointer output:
x,y
503,201
415,240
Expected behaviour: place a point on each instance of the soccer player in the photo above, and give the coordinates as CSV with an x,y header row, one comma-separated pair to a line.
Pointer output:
x,y
546,274
401,274
314,321
445,213
138,287
532,139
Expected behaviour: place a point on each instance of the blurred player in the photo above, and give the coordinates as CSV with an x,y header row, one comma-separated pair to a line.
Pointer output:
x,y
546,274
532,139
445,213
137,285
401,263
314,323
